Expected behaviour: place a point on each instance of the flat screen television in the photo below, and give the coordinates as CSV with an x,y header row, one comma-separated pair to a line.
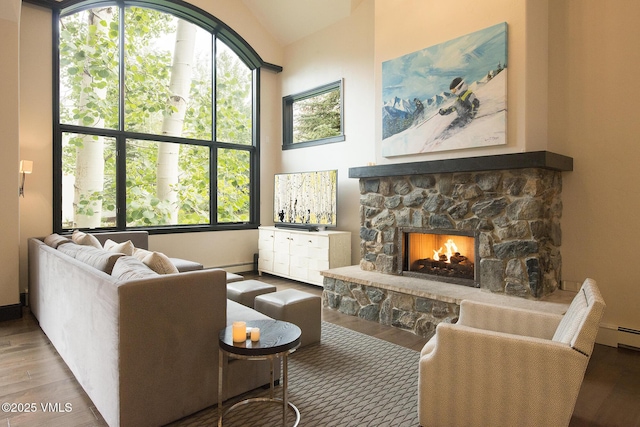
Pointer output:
x,y
306,200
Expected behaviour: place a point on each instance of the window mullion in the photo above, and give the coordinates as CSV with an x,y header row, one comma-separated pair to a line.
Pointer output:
x,y
121,150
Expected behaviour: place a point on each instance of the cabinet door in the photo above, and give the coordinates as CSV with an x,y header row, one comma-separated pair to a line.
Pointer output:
x,y
266,240
281,252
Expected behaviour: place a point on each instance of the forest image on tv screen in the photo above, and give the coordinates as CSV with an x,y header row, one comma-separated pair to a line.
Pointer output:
x,y
306,198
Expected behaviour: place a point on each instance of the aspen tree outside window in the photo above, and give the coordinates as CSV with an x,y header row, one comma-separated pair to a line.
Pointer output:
x,y
156,120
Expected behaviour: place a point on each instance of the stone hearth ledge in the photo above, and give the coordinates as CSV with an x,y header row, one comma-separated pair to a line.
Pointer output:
x,y
556,302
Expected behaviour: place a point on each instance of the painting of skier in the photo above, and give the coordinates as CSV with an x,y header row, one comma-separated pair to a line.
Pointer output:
x,y
446,97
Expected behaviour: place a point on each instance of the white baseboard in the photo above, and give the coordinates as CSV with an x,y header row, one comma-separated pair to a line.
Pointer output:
x,y
237,268
629,337
615,336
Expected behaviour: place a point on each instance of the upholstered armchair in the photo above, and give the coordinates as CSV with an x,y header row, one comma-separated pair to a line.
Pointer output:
x,y
501,366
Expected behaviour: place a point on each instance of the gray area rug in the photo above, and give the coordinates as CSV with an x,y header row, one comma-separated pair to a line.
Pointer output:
x,y
349,379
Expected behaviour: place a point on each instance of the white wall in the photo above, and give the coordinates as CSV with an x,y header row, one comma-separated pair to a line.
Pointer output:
x,y
341,51
594,63
9,134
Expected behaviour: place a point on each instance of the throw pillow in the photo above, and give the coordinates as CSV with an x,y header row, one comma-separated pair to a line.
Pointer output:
x,y
126,248
86,239
98,258
160,263
140,254
129,268
54,240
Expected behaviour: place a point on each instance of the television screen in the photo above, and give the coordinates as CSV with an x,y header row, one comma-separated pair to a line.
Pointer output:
x,y
306,199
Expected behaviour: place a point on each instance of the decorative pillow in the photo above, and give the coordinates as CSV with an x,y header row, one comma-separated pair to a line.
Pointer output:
x,y
98,258
160,263
140,253
54,240
129,268
86,239
126,248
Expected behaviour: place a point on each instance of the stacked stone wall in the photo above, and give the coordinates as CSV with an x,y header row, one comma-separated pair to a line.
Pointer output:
x,y
416,314
516,214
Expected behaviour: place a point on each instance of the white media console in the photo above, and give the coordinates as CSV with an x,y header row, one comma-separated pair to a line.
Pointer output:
x,y
300,254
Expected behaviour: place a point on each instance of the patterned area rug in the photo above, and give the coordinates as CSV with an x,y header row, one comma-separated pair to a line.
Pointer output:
x,y
348,380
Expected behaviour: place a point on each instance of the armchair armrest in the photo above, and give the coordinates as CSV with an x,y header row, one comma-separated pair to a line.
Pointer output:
x,y
510,320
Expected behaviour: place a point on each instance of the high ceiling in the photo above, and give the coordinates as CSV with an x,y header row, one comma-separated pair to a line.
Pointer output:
x,y
287,20
291,20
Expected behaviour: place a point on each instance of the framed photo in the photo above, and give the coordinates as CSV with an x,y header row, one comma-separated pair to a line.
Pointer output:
x,y
449,96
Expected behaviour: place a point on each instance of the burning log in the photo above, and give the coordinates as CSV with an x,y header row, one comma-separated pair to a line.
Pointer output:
x,y
460,266
457,258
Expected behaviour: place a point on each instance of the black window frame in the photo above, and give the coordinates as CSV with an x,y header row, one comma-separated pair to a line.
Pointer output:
x,y
287,116
219,30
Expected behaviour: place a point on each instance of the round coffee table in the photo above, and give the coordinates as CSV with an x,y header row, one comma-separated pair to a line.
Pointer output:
x,y
277,339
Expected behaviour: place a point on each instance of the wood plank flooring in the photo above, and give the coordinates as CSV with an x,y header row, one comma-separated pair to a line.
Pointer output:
x,y
31,371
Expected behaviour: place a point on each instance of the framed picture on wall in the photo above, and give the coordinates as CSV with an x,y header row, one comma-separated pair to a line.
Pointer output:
x,y
449,96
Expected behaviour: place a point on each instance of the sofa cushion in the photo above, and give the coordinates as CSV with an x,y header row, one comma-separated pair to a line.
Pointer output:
x,y
86,239
237,311
160,263
70,249
184,265
126,248
571,321
128,268
97,258
54,240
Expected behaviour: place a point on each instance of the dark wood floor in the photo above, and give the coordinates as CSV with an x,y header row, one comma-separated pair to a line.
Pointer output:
x,y
31,372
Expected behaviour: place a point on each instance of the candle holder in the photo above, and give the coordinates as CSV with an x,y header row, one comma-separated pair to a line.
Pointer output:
x,y
239,331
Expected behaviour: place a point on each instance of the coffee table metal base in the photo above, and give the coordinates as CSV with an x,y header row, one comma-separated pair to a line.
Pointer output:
x,y
284,401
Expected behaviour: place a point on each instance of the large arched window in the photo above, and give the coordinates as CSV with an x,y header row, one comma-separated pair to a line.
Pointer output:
x,y
157,110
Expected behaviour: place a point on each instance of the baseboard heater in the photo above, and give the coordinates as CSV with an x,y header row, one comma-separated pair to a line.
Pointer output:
x,y
629,338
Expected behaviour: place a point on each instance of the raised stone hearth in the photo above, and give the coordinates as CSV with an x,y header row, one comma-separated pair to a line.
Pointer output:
x,y
417,305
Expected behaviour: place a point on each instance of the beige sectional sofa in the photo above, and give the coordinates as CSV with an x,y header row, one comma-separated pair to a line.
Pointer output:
x,y
144,347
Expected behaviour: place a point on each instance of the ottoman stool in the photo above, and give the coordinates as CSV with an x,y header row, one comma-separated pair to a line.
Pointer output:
x,y
245,291
300,308
233,277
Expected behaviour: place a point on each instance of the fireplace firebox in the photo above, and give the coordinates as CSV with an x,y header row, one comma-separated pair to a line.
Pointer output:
x,y
444,255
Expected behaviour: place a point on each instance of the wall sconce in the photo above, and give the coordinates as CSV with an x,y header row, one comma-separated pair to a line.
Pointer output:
x,y
26,166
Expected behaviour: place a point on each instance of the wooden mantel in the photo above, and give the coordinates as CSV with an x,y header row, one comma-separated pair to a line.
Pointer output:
x,y
533,159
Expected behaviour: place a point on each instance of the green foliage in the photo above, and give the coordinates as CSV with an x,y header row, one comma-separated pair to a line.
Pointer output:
x,y
317,117
233,186
233,94
89,83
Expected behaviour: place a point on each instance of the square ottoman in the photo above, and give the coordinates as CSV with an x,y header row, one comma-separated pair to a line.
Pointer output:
x,y
298,307
245,291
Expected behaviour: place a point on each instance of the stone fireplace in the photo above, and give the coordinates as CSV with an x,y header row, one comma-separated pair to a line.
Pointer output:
x,y
501,212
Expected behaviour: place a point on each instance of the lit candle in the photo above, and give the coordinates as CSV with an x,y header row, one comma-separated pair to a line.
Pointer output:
x,y
239,331
255,334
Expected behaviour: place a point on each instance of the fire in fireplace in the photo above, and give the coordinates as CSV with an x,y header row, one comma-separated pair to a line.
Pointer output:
x,y
447,256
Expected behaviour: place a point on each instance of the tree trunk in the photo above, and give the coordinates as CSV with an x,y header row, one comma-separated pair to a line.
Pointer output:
x,y
168,153
89,176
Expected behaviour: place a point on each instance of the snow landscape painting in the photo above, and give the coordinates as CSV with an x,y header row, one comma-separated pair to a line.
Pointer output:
x,y
447,97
